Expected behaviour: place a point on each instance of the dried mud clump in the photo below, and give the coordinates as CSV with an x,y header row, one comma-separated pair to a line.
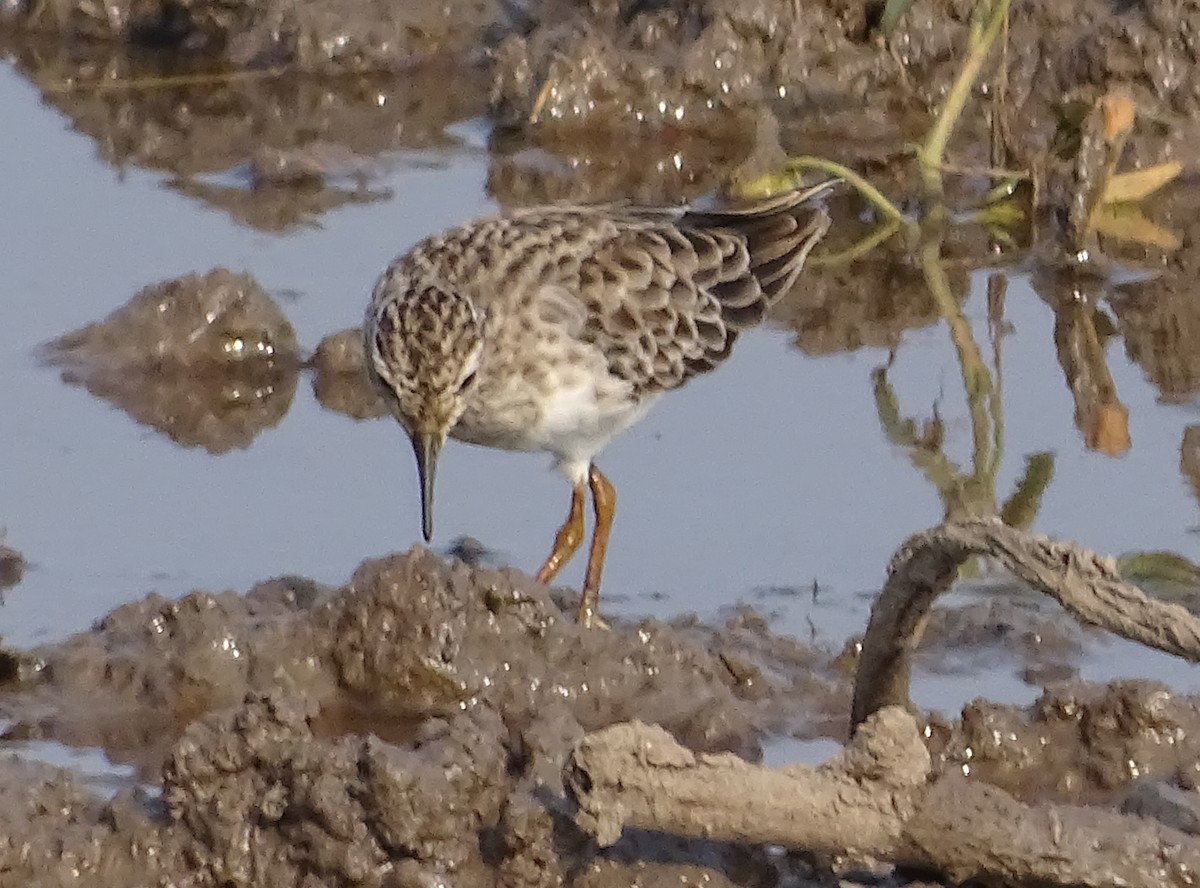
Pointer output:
x,y
55,832
260,793
209,361
150,666
670,63
418,637
12,567
191,323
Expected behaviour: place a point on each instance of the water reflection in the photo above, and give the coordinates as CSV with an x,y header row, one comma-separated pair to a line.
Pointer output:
x,y
273,151
1081,331
208,361
291,154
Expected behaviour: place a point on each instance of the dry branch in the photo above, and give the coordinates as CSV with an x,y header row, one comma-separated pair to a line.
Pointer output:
x,y
871,801
879,798
1086,584
637,775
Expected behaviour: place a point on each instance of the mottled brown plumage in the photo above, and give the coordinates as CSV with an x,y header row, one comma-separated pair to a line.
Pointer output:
x,y
555,328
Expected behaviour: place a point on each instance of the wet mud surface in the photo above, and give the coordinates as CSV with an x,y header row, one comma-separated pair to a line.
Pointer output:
x,y
412,726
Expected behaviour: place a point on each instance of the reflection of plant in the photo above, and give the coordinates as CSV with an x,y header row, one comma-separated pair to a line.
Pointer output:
x,y
965,494
1079,332
1168,576
1104,202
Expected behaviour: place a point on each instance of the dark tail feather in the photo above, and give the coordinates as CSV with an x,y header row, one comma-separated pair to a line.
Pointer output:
x,y
779,231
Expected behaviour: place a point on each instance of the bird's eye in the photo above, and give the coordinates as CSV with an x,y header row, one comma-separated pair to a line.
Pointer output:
x,y
467,382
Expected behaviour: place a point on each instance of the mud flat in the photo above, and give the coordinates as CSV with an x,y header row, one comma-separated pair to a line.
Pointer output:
x,y
431,721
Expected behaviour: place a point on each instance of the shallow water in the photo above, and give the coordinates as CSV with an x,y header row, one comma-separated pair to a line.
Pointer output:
x,y
747,486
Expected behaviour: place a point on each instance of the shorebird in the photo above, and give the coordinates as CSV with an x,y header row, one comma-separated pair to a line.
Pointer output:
x,y
555,328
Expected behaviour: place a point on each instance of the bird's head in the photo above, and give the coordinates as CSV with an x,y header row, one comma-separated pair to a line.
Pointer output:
x,y
423,344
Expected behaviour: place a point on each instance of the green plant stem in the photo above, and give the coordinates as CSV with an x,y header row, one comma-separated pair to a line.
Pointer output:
x,y
872,194
859,248
930,154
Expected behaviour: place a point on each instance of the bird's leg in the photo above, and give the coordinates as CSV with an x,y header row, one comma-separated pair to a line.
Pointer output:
x,y
604,501
567,540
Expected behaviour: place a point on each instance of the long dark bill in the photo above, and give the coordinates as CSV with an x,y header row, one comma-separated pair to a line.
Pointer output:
x,y
426,447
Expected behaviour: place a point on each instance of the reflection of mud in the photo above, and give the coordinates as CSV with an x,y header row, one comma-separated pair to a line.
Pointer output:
x,y
1160,324
965,639
339,379
1159,317
12,567
671,166
1189,458
273,151
1081,331
867,304
209,361
277,207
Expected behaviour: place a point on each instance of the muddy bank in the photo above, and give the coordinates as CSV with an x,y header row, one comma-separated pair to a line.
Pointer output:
x,y
574,84
406,726
12,566
565,63
409,639
413,725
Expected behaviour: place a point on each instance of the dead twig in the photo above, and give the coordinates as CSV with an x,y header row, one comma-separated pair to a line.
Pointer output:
x,y
1088,585
874,800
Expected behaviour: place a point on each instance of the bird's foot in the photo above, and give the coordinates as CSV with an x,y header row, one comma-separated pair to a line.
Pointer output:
x,y
589,617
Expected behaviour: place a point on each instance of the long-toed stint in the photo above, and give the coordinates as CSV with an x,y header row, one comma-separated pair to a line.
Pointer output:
x,y
555,328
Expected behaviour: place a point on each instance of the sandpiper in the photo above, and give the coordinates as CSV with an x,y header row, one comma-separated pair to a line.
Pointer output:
x,y
555,328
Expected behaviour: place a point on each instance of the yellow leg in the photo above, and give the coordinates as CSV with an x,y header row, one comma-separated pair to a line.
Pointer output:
x,y
604,501
567,540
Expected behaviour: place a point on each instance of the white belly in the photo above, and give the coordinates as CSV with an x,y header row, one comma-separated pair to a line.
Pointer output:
x,y
576,425
572,420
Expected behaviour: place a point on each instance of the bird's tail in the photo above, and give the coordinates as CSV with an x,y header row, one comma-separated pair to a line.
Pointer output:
x,y
778,231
